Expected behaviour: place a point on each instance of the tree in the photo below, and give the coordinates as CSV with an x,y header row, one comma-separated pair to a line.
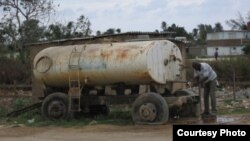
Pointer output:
x,y
239,23
164,26
24,10
80,28
8,33
54,32
200,33
195,33
19,14
98,33
109,31
203,30
218,27
246,49
118,30
179,31
31,31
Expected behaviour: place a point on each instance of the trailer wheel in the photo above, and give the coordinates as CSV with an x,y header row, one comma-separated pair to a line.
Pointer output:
x,y
55,106
190,109
150,108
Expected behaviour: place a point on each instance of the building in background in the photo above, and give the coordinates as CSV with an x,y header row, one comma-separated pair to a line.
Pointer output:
x,y
227,43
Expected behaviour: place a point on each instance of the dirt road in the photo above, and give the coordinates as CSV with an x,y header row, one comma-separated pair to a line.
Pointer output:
x,y
88,133
109,132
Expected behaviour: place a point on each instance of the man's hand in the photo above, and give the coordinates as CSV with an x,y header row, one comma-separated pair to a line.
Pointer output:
x,y
195,81
203,80
199,83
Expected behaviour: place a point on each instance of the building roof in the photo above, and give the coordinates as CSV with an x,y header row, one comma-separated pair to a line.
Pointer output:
x,y
111,36
230,31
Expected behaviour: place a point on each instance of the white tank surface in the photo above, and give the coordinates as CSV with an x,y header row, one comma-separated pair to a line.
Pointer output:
x,y
140,62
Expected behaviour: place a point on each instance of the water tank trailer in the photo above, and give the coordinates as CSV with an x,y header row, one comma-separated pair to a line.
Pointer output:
x,y
88,77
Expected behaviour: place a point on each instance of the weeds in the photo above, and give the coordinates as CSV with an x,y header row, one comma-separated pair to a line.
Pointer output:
x,y
21,103
225,69
34,118
117,116
238,110
13,71
233,107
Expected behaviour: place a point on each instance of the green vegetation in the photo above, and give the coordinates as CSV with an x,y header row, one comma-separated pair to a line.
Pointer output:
x,y
117,116
239,110
3,111
240,23
246,49
14,71
226,68
233,108
21,103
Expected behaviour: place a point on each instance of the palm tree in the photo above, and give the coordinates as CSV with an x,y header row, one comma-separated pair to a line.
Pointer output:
x,y
164,26
240,23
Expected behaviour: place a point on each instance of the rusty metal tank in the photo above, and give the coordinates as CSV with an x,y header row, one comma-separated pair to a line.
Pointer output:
x,y
140,62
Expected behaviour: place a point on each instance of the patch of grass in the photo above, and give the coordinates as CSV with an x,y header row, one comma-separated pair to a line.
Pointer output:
x,y
13,106
231,101
116,117
21,103
34,118
3,111
39,122
233,107
238,110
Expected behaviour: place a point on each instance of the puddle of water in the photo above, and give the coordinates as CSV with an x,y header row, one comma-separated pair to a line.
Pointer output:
x,y
187,121
225,120
232,119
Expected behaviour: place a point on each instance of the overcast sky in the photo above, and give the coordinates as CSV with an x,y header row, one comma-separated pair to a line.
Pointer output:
x,y
147,15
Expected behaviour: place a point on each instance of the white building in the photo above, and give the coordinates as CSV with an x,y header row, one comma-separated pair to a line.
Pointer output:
x,y
227,42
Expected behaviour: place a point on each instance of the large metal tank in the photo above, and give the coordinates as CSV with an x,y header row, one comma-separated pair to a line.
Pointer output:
x,y
140,62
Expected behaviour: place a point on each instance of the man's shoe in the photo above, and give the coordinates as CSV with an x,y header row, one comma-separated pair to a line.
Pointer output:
x,y
208,115
205,114
213,114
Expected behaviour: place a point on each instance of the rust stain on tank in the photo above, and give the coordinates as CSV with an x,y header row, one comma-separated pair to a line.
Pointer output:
x,y
106,54
118,53
134,47
122,54
93,50
141,75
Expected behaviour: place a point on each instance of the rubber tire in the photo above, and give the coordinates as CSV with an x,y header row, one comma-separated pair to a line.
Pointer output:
x,y
189,109
61,97
160,104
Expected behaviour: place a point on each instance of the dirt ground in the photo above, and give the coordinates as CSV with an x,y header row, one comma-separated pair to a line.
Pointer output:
x,y
88,133
109,132
124,133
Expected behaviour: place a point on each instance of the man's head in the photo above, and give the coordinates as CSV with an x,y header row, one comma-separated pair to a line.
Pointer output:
x,y
196,66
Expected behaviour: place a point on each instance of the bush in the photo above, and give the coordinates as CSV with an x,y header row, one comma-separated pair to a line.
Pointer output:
x,y
226,68
246,49
21,103
14,71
